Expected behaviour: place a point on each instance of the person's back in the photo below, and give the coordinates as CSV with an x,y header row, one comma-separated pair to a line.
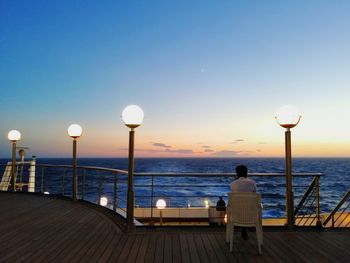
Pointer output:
x,y
242,183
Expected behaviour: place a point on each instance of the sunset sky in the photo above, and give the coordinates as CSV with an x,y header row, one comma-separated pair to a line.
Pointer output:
x,y
209,75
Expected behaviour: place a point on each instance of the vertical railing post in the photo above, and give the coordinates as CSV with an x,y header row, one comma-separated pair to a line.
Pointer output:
x,y
152,196
42,180
115,193
289,188
100,188
317,193
63,175
130,196
83,188
74,175
31,183
13,165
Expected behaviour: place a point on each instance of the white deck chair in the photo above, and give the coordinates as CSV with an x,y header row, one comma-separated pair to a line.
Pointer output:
x,y
244,209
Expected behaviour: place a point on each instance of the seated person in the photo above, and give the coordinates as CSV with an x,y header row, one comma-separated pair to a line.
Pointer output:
x,y
243,184
221,210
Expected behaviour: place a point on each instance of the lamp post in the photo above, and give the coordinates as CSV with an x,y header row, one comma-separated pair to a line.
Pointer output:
x,y
13,136
132,117
74,131
288,117
161,204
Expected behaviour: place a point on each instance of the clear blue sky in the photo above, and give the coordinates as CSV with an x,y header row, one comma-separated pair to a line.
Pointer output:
x,y
206,73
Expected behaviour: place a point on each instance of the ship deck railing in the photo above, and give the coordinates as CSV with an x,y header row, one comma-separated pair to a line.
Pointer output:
x,y
99,184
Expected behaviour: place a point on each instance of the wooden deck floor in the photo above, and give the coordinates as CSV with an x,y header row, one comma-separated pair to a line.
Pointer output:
x,y
41,229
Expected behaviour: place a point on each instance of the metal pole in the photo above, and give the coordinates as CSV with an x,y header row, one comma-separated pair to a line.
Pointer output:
x,y
130,198
31,183
152,222
317,190
115,193
74,175
42,180
63,174
161,217
289,187
100,184
83,190
13,166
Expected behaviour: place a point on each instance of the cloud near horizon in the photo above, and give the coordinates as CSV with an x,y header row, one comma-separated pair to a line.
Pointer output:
x,y
237,141
226,153
166,150
159,144
184,151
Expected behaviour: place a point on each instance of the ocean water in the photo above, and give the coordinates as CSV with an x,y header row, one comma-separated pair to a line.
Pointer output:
x,y
183,191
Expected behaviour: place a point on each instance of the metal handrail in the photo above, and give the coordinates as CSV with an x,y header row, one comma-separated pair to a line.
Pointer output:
x,y
112,170
225,174
339,205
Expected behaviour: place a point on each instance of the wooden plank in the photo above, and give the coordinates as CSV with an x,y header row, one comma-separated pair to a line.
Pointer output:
x,y
192,248
20,225
283,244
126,250
235,251
118,249
65,239
200,248
175,239
338,242
305,247
97,240
23,241
134,249
185,252
141,256
220,251
110,248
252,243
84,244
168,257
208,248
99,251
325,245
269,248
159,251
151,248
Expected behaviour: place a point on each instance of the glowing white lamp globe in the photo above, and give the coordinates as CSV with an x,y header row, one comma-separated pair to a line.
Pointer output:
x,y
14,135
161,204
75,130
288,116
206,203
103,201
132,116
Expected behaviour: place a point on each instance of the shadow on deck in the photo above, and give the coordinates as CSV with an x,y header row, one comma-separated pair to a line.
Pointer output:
x,y
43,229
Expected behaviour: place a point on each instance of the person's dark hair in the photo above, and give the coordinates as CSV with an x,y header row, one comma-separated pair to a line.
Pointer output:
x,y
242,171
